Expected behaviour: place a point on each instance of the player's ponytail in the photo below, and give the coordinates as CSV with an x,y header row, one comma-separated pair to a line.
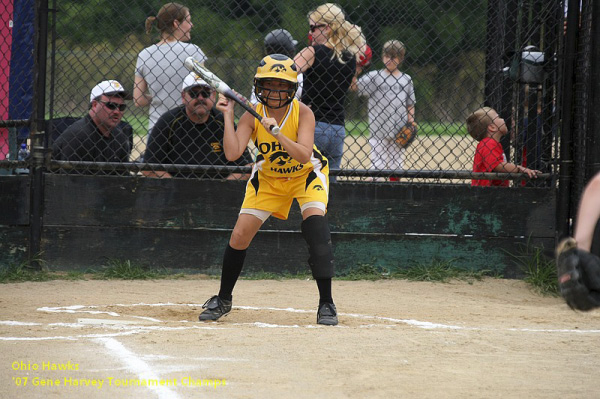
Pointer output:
x,y
148,24
166,17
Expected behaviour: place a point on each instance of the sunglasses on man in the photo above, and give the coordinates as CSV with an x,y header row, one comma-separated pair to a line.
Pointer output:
x,y
113,106
205,93
315,27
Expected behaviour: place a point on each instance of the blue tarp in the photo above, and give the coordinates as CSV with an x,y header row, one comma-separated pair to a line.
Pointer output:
x,y
20,104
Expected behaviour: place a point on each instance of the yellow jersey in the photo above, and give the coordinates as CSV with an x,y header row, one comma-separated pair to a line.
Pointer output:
x,y
272,159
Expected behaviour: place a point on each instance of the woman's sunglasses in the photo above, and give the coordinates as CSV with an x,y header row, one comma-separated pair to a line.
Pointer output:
x,y
113,106
317,26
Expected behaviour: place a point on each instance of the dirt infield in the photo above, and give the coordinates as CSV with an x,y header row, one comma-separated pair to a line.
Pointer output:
x,y
123,339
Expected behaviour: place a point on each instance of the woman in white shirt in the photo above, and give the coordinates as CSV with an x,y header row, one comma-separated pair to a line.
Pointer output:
x,y
159,71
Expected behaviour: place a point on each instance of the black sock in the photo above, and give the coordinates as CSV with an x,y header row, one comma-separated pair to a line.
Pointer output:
x,y
233,261
324,285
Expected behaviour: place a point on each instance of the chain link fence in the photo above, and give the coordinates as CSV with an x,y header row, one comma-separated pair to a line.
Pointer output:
x,y
582,144
433,63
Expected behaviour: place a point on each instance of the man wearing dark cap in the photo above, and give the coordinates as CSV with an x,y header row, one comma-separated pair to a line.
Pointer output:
x,y
97,137
280,41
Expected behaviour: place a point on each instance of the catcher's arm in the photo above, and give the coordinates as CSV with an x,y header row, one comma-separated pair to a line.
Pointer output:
x,y
588,214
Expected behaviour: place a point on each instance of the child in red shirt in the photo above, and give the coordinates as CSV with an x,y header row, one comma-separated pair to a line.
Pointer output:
x,y
487,127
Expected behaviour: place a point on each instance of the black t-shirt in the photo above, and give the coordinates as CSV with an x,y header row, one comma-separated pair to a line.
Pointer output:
x,y
326,83
175,139
82,141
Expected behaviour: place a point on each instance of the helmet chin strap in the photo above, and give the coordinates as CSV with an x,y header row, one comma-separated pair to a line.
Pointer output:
x,y
282,102
264,99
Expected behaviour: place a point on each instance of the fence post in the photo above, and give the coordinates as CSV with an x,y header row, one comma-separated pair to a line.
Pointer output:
x,y
494,55
37,135
563,204
593,135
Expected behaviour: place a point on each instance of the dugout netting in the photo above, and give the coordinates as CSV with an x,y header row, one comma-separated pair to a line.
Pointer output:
x,y
460,55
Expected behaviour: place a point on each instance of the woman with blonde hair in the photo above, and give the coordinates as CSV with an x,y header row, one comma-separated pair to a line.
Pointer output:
x,y
159,72
329,65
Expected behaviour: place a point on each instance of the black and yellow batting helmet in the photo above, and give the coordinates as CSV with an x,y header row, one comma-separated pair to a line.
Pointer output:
x,y
280,67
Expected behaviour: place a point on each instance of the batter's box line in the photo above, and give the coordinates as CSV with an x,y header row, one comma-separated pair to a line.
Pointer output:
x,y
411,322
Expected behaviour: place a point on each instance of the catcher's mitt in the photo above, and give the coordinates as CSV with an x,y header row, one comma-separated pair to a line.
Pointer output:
x,y
578,275
406,135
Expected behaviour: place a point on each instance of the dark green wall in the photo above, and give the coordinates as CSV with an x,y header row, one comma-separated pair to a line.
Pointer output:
x,y
185,224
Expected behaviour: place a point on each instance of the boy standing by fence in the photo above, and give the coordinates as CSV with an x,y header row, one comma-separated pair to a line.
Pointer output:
x,y
391,105
487,127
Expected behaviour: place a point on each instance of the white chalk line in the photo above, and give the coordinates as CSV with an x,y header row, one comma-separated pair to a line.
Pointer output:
x,y
124,330
75,309
18,323
68,338
137,366
133,328
416,323
411,322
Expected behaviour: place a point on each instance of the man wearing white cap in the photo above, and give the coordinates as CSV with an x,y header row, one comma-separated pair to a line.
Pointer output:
x,y
97,137
191,134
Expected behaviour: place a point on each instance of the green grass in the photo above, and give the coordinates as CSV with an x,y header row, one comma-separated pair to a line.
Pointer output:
x,y
365,271
441,271
264,275
114,269
354,128
361,128
128,270
139,125
17,273
73,275
24,271
437,271
540,271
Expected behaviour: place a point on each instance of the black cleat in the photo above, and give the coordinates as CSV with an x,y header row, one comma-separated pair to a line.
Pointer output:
x,y
327,315
215,308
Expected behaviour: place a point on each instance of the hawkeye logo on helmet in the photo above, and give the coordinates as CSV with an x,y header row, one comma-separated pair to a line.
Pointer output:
x,y
278,68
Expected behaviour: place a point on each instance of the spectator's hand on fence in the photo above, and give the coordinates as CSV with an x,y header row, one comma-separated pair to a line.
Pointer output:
x,y
532,173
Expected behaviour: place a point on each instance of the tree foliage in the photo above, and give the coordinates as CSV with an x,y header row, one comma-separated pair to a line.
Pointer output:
x,y
439,36
431,30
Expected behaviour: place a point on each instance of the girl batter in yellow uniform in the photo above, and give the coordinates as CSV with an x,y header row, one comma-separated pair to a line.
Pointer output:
x,y
288,167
